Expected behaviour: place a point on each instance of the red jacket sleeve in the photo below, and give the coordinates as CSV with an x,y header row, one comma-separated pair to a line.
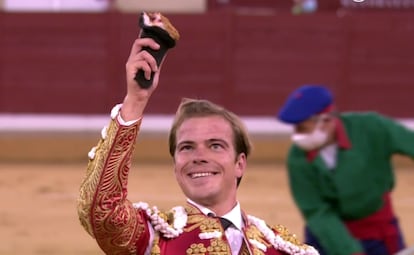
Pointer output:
x,y
103,208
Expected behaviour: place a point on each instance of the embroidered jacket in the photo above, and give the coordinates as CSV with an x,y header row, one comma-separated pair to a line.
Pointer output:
x,y
121,227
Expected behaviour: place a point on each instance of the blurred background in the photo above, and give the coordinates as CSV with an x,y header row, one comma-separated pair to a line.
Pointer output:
x,y
62,70
62,62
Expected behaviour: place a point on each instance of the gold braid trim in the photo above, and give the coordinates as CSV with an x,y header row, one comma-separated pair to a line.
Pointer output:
x,y
103,209
287,236
155,250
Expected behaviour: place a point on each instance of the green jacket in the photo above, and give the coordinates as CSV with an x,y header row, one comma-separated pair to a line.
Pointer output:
x,y
354,188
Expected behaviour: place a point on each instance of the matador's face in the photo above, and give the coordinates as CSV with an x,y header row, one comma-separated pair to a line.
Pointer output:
x,y
206,166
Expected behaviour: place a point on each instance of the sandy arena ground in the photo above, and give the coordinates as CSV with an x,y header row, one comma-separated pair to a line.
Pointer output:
x,y
38,212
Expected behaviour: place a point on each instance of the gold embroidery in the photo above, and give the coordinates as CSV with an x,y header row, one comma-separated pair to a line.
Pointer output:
x,y
196,249
197,220
252,232
206,224
218,247
167,217
287,236
90,182
103,209
155,250
203,223
255,243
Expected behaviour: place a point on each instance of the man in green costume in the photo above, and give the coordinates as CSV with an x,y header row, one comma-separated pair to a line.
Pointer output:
x,y
341,174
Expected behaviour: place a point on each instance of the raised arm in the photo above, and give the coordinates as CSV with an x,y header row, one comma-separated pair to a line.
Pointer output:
x,y
103,208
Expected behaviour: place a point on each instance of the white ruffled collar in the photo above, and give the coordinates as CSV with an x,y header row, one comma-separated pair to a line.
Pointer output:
x,y
159,222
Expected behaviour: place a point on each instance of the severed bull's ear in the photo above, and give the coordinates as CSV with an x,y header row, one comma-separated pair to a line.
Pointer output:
x,y
159,28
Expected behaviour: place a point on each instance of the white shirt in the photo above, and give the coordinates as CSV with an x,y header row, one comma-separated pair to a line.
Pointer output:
x,y
328,154
233,233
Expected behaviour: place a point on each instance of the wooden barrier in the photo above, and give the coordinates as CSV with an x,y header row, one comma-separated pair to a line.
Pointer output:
x,y
74,62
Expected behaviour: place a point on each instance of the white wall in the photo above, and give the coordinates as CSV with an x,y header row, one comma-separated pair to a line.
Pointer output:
x,y
170,6
55,5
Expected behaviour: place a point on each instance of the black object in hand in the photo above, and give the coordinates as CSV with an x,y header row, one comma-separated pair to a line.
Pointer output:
x,y
165,41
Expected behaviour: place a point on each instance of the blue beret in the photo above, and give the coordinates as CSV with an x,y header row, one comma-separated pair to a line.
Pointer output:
x,y
305,102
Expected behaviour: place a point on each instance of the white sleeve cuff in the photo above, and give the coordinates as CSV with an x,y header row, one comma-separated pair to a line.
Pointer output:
x,y
115,113
126,123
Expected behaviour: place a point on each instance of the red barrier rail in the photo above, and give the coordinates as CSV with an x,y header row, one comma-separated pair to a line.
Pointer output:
x,y
74,62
